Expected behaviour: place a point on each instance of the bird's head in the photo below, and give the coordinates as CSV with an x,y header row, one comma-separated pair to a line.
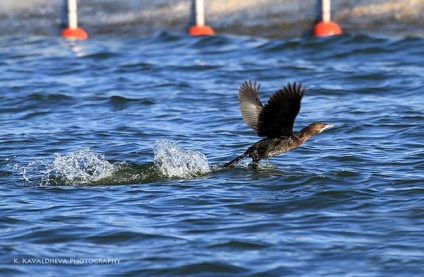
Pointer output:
x,y
313,129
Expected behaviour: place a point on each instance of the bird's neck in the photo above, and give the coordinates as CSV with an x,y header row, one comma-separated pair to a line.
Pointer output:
x,y
305,133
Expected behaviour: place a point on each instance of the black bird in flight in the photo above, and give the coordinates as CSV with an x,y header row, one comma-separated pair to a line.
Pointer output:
x,y
274,121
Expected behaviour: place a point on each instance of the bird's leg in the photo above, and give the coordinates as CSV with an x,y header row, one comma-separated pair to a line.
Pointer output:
x,y
255,163
235,161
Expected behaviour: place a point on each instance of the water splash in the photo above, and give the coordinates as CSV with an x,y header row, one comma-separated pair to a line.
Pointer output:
x,y
174,161
83,167
32,170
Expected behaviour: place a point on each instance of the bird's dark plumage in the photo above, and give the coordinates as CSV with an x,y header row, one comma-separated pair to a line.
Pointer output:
x,y
273,120
276,118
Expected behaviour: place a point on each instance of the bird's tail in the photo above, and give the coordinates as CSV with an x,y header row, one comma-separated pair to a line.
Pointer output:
x,y
236,160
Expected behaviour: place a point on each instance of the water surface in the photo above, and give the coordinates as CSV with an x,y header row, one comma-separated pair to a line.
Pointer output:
x,y
110,150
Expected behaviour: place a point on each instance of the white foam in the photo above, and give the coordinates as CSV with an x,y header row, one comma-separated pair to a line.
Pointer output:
x,y
175,161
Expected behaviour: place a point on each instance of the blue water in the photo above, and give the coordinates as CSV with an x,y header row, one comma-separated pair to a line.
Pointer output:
x,y
110,150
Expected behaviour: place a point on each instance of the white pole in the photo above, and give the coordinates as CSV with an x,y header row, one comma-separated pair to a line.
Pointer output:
x,y
200,12
72,14
326,10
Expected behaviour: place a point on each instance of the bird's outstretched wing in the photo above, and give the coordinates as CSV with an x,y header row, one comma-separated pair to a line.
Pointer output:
x,y
250,105
277,117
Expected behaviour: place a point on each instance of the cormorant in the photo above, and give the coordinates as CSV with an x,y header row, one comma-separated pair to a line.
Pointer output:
x,y
274,121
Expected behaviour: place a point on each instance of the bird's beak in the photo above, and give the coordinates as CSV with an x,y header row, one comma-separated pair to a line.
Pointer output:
x,y
328,126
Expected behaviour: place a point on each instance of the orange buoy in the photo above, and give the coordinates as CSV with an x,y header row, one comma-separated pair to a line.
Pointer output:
x,y
326,27
323,29
198,17
204,30
77,33
72,31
